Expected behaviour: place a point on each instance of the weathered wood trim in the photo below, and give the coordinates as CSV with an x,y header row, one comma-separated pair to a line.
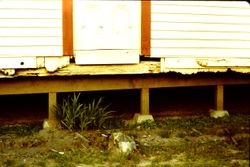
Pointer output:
x,y
67,7
145,27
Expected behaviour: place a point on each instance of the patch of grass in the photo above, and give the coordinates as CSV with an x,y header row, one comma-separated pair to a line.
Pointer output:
x,y
60,160
9,162
20,130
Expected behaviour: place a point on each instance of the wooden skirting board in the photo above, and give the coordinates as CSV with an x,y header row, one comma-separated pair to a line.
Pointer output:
x,y
144,67
190,65
51,63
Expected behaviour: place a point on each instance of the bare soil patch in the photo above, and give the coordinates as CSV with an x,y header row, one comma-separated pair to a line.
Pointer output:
x,y
182,141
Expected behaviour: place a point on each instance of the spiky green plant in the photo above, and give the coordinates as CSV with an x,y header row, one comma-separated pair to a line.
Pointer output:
x,y
98,113
69,111
75,115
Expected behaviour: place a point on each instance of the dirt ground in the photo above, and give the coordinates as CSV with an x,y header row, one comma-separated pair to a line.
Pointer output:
x,y
175,141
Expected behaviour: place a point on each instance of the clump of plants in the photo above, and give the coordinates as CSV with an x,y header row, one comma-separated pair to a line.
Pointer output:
x,y
75,115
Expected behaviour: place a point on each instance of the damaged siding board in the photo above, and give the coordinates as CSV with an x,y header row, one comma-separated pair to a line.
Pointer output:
x,y
200,29
30,28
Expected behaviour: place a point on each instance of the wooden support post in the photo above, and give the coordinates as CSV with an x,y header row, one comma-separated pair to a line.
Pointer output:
x,y
52,102
145,101
219,97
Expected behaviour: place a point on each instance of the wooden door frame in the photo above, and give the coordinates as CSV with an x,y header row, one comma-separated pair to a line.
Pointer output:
x,y
67,26
145,27
67,14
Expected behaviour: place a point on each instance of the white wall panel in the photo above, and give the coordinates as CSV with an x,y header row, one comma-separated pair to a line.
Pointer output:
x,y
199,29
30,28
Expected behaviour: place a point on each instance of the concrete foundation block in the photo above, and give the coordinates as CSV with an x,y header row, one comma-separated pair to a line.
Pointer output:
x,y
218,113
140,118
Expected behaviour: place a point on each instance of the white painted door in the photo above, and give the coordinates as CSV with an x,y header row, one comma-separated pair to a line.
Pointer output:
x,y
106,32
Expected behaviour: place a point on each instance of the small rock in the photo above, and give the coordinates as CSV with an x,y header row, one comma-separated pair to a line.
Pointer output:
x,y
124,143
140,118
46,124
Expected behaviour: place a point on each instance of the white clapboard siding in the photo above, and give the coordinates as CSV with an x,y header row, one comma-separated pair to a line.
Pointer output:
x,y
229,44
105,30
199,35
198,29
224,4
31,50
31,32
30,28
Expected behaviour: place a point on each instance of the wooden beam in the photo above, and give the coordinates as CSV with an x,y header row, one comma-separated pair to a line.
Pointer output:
x,y
144,110
67,7
145,27
219,97
30,85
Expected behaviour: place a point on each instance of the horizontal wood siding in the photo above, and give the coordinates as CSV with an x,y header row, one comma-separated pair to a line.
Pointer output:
x,y
200,29
30,28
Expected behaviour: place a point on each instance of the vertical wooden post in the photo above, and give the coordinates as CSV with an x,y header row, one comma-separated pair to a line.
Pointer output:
x,y
219,97
67,14
52,100
144,101
145,27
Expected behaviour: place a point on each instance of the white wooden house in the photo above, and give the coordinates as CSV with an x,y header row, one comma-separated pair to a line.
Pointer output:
x,y
184,34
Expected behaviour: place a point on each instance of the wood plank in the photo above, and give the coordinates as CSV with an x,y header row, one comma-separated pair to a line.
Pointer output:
x,y
204,10
145,27
35,23
31,13
30,41
192,43
18,62
67,16
30,4
30,32
200,27
200,52
212,3
92,83
122,56
199,18
206,35
31,51
194,63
